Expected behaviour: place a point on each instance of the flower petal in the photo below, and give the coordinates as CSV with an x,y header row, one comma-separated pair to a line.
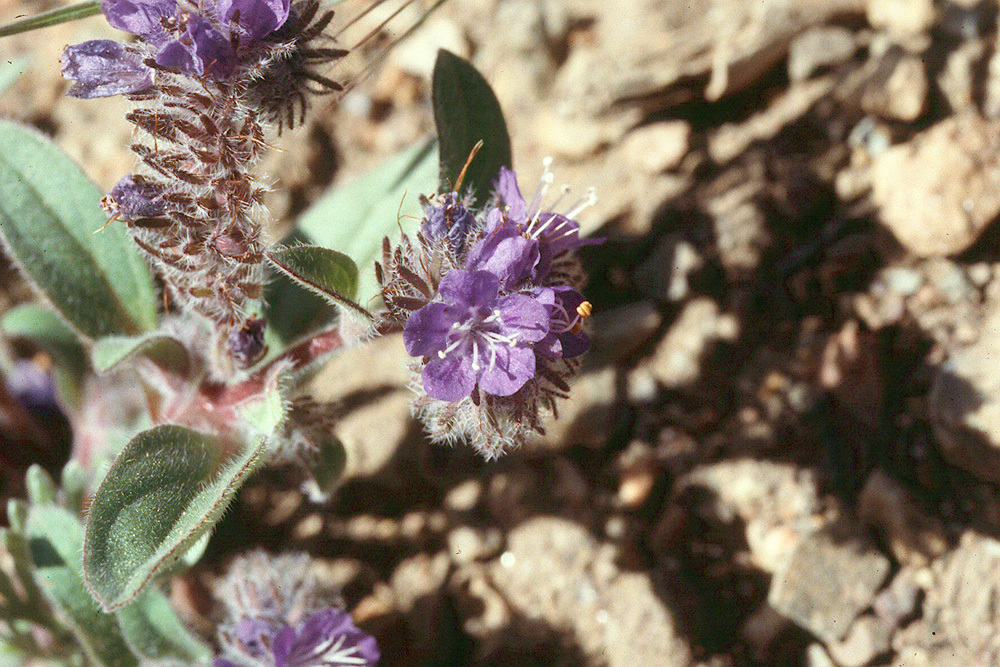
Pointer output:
x,y
523,317
514,366
506,187
449,379
102,68
140,17
427,330
255,18
470,288
135,198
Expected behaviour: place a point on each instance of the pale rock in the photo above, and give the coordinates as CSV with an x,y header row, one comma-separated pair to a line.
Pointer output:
x,y
867,639
914,537
657,147
677,358
903,17
555,572
852,572
819,47
964,402
940,190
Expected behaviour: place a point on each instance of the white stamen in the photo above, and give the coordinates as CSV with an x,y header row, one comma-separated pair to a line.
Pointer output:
x,y
589,199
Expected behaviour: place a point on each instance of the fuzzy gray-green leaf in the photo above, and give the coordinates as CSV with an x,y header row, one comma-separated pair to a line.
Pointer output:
x,y
355,217
49,212
164,491
167,352
153,630
54,539
331,274
466,112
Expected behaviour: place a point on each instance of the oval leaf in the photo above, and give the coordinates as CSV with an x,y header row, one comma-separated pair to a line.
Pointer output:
x,y
54,539
355,217
153,630
466,112
164,491
167,352
326,272
48,214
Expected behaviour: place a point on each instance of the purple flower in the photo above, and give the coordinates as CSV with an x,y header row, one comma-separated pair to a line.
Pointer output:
x,y
566,338
476,336
246,343
451,220
555,233
102,68
327,638
133,198
254,18
200,49
144,18
186,41
505,251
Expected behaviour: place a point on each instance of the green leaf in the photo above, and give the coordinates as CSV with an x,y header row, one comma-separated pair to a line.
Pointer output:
x,y
73,481
166,489
11,72
292,310
49,212
466,112
153,630
40,485
52,17
354,218
109,354
331,459
54,538
266,411
328,273
43,327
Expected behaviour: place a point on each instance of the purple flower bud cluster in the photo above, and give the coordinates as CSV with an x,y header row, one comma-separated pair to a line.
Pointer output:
x,y
489,304
208,76
280,618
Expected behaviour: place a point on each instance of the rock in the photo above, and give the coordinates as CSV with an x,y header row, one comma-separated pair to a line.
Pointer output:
x,y
554,571
618,333
867,639
584,418
902,95
827,582
902,17
964,403
664,275
960,78
940,190
731,140
913,536
777,503
467,544
816,656
741,230
658,146
637,474
817,48
958,623
897,602
676,361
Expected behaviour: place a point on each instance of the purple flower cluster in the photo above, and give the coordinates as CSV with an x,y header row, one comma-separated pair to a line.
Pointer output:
x,y
203,40
493,312
327,638
280,616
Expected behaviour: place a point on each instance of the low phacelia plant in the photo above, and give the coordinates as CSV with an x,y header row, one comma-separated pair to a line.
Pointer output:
x,y
181,337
